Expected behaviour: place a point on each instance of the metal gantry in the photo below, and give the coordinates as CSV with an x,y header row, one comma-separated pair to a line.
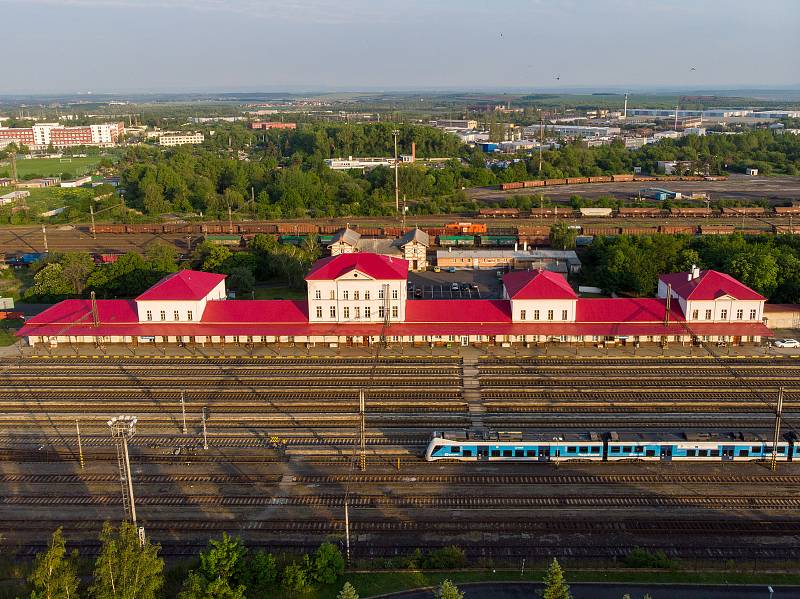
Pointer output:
x,y
123,428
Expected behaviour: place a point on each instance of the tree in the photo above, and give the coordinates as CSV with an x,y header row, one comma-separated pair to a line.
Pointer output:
x,y
561,236
54,574
224,558
554,585
126,568
162,258
328,563
49,283
76,268
241,279
348,592
198,587
447,590
214,257
295,578
262,573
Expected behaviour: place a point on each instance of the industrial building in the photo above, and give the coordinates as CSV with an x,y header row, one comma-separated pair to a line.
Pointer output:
x,y
361,298
180,139
566,262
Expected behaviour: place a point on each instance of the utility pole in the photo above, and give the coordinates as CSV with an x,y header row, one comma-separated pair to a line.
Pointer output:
x,y
205,433
80,445
230,221
776,436
362,458
44,235
95,313
14,167
669,299
396,174
347,529
625,109
541,141
123,428
183,411
676,116
91,212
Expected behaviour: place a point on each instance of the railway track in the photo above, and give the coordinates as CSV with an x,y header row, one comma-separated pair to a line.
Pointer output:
x,y
184,361
482,502
110,381
654,380
655,361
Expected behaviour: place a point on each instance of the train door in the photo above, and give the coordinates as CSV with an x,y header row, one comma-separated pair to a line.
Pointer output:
x,y
544,454
483,453
666,453
727,453
415,265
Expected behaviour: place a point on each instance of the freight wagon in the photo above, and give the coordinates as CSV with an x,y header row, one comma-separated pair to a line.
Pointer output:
x,y
498,213
639,212
507,186
534,183
497,240
717,230
743,210
600,231
603,212
693,212
787,210
456,240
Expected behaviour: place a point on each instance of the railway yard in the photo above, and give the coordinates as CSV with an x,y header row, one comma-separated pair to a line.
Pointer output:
x,y
268,447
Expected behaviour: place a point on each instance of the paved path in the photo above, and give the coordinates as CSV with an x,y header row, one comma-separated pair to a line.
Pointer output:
x,y
494,590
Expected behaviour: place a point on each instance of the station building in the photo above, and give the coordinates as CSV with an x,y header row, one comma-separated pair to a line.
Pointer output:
x,y
361,298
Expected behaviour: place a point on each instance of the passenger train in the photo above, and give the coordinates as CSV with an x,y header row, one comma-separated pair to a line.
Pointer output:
x,y
467,445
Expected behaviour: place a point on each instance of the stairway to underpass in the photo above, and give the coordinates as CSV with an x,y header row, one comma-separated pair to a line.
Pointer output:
x,y
472,389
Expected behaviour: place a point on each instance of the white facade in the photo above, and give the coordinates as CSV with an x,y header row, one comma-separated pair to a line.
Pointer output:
x,y
542,310
177,310
180,139
356,297
416,254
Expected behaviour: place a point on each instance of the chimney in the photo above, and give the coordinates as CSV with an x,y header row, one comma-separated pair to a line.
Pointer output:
x,y
413,151
515,247
695,271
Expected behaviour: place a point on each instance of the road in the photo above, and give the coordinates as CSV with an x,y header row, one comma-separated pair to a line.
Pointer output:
x,y
614,591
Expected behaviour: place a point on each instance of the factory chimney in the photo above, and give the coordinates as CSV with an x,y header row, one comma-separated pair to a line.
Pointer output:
x,y
413,151
625,109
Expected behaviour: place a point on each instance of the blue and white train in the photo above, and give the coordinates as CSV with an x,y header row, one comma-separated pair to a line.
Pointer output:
x,y
469,445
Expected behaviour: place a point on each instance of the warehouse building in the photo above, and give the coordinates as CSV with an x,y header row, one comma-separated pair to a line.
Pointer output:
x,y
361,298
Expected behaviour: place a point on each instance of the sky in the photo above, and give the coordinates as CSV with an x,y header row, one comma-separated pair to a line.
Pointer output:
x,y
118,46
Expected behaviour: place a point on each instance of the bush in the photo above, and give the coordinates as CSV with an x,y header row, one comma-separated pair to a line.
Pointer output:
x,y
295,578
642,558
445,558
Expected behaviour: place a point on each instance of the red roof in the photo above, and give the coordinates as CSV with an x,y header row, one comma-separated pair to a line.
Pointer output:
x,y
537,284
372,265
183,285
444,311
625,310
710,285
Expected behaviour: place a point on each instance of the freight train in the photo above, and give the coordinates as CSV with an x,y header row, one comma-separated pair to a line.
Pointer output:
x,y
604,179
467,445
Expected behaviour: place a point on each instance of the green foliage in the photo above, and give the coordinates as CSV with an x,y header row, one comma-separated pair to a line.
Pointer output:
x,y
54,574
642,558
447,590
445,558
562,237
348,592
224,558
295,578
555,587
262,573
50,284
126,569
197,586
327,564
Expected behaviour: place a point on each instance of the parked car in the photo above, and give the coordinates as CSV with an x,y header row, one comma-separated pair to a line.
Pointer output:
x,y
437,269
451,269
786,343
418,292
455,287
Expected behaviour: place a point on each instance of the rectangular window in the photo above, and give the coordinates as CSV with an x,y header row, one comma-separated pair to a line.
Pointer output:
x,y
536,314
752,314
381,312
708,314
739,314
345,294
695,314
723,314
358,312
318,294
149,315
346,313
176,315
380,293
367,312
333,311
549,315
366,295
163,315
332,294
394,312
564,315
355,295
319,311
394,293
188,315
522,314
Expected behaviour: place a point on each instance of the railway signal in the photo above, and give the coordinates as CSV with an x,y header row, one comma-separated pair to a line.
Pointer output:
x,y
123,428
776,436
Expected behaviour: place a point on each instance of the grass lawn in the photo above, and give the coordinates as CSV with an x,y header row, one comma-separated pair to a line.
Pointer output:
x,y
6,334
50,167
370,584
269,293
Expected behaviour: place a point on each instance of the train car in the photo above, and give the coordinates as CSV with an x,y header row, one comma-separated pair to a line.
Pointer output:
x,y
497,240
465,228
600,231
258,228
639,212
534,183
717,229
621,178
549,182
708,447
465,445
577,180
601,212
787,210
456,240
691,212
743,210
640,230
600,179
507,186
676,230
498,213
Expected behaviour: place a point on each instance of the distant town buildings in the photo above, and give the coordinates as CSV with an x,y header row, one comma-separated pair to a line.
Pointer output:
x,y
455,124
43,135
180,139
264,125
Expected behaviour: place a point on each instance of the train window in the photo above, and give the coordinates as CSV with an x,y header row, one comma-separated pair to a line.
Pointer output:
x,y
703,453
756,449
436,449
519,453
638,449
691,453
650,453
768,449
467,453
627,449
531,453
454,449
507,453
744,452
595,450
584,450
613,449
570,449
495,453
781,450
715,453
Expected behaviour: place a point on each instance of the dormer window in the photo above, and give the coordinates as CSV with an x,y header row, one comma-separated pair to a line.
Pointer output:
x,y
318,294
